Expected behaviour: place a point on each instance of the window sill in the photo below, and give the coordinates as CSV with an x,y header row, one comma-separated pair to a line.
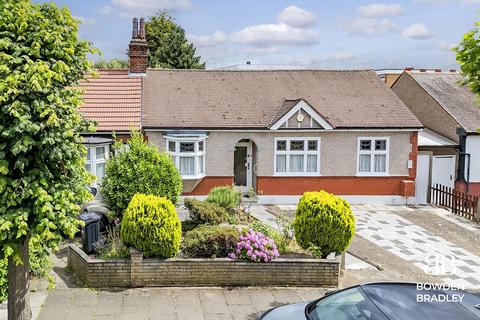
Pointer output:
x,y
297,174
373,174
197,177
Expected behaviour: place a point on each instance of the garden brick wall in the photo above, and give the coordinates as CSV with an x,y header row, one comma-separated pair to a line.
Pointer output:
x,y
139,272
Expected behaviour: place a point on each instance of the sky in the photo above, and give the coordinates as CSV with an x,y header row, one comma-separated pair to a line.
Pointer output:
x,y
325,34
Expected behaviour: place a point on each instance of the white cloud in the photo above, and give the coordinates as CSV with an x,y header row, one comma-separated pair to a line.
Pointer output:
x,y
140,7
265,35
368,26
208,40
85,21
297,17
380,10
105,9
417,31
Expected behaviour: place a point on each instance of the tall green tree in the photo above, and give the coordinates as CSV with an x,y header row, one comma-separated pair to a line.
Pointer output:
x,y
168,47
111,64
42,175
468,56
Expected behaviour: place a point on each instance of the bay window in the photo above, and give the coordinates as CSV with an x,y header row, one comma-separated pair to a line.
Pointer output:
x,y
373,155
188,154
297,156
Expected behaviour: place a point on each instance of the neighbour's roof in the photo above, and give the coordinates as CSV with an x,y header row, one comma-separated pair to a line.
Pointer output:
x,y
456,99
254,99
113,100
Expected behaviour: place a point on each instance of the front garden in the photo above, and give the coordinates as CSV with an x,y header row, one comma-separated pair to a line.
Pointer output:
x,y
219,243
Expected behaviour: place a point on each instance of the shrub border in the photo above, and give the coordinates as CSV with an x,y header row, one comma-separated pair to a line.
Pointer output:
x,y
153,272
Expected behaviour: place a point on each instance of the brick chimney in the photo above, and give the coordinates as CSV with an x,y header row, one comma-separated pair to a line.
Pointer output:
x,y
138,49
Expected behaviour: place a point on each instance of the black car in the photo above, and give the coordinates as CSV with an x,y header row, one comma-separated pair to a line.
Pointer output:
x,y
384,301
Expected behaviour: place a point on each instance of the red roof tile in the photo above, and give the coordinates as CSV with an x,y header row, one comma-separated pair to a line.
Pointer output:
x,y
113,100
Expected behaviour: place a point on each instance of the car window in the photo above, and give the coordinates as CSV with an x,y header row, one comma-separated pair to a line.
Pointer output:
x,y
351,304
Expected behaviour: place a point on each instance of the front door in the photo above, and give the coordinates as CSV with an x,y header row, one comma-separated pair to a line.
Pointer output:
x,y
242,165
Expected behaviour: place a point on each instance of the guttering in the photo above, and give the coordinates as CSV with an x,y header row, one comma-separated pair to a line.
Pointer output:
x,y
399,129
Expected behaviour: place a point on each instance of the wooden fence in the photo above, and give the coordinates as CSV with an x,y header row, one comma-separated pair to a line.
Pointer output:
x,y
461,203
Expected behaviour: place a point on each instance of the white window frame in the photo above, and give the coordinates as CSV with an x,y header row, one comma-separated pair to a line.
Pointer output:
x,y
195,154
92,149
372,154
303,152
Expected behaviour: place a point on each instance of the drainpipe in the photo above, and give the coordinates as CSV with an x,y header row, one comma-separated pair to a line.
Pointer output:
x,y
468,167
462,139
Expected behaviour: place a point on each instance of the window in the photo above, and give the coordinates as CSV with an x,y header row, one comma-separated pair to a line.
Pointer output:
x,y
373,156
96,158
188,154
297,156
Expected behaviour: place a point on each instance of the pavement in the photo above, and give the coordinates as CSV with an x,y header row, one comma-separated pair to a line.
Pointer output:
x,y
171,303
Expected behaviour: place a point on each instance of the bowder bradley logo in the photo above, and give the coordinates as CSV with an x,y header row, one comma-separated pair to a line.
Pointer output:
x,y
440,265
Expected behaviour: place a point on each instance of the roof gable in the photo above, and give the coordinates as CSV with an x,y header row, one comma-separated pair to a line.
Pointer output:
x,y
302,116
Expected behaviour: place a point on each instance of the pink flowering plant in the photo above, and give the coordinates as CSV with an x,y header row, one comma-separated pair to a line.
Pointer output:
x,y
256,247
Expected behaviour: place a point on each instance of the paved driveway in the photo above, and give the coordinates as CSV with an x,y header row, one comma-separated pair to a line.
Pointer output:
x,y
390,228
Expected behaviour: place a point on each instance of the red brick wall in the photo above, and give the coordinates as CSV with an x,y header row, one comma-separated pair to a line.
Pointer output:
x,y
336,185
383,186
412,173
208,183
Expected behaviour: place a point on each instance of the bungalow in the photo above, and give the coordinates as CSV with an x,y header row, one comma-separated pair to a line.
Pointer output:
x,y
277,132
449,149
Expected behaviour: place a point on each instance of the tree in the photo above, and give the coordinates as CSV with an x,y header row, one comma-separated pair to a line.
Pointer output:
x,y
42,175
468,56
167,45
112,64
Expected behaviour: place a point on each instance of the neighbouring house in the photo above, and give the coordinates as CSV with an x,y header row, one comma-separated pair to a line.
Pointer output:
x,y
277,132
389,76
449,148
112,99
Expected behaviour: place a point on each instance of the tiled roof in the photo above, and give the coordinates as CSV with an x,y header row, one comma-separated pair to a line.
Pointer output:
x,y
253,99
113,100
456,99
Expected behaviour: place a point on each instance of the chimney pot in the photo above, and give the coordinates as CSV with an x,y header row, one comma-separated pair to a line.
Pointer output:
x,y
142,28
135,28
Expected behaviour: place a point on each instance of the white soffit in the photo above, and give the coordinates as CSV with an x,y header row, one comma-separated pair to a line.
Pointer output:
x,y
428,138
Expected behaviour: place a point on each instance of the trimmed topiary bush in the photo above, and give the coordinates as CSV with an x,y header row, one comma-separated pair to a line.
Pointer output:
x,y
140,168
202,212
151,225
325,221
226,197
209,241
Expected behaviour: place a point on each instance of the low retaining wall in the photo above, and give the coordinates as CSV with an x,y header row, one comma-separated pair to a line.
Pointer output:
x,y
139,272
